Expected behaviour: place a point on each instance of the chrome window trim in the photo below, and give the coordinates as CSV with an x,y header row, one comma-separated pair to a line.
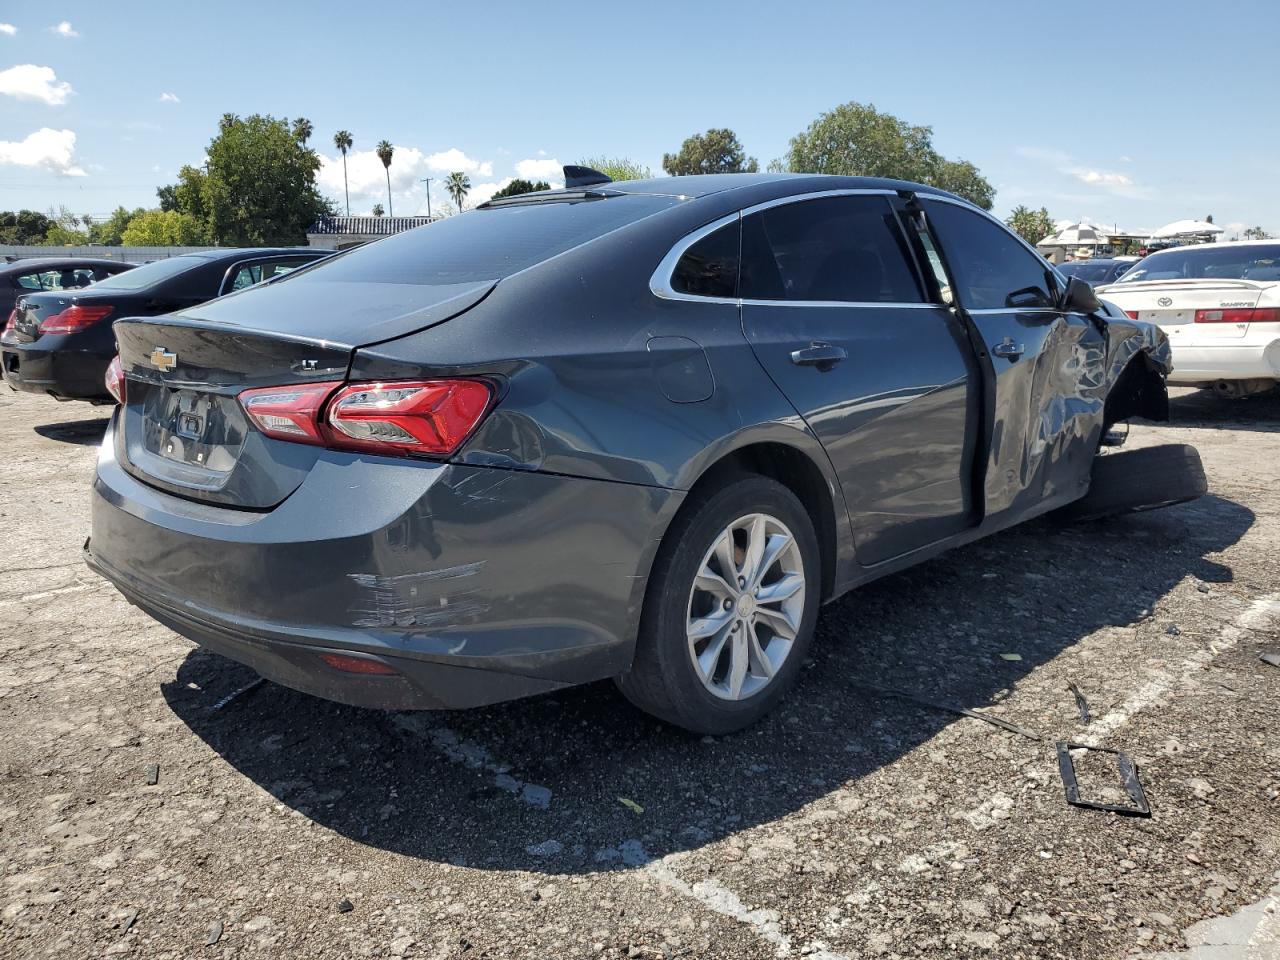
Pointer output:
x,y
660,282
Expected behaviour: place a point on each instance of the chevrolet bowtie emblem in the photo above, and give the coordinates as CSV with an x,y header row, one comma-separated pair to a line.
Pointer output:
x,y
162,359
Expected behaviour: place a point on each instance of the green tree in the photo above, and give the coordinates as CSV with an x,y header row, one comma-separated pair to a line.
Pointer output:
x,y
302,130
342,140
110,231
1031,225
258,188
857,140
716,151
161,228
457,185
1256,233
618,168
24,227
65,230
385,150
377,210
518,186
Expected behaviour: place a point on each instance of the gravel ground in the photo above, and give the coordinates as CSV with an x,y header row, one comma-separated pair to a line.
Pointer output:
x,y
849,824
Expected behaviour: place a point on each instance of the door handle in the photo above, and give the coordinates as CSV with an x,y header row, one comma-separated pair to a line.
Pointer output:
x,y
1008,349
818,354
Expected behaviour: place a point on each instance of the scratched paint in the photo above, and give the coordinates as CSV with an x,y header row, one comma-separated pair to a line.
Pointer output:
x,y
428,598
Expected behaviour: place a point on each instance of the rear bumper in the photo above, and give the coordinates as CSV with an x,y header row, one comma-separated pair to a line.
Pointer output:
x,y
1245,359
474,585
65,373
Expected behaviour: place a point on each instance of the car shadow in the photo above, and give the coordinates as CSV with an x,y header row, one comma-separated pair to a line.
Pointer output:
x,y
1204,408
538,784
86,433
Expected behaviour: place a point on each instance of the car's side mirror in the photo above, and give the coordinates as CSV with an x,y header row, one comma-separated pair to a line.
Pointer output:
x,y
1080,297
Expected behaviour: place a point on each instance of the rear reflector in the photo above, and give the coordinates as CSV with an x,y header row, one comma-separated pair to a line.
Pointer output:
x,y
115,379
1239,315
1131,314
74,319
397,418
12,321
346,664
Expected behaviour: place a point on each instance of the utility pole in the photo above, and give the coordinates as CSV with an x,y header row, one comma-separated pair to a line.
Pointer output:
x,y
427,181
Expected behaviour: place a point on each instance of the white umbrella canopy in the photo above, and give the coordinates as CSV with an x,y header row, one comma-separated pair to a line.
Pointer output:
x,y
1074,235
1187,228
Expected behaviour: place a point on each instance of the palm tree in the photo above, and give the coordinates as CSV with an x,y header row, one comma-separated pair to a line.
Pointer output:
x,y
457,185
384,150
302,130
377,210
342,140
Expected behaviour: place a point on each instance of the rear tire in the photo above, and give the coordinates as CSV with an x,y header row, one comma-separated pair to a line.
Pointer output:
x,y
1133,480
679,674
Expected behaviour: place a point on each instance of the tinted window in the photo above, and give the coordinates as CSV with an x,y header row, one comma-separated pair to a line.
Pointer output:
x,y
1224,262
846,249
1090,272
251,273
485,244
151,273
709,268
993,270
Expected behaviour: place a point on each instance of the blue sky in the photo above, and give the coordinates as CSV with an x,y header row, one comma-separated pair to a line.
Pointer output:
x,y
1135,114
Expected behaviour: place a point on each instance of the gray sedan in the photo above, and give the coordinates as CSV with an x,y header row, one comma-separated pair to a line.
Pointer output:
x,y
633,430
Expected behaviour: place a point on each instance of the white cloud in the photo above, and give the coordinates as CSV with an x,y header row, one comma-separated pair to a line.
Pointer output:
x,y
454,159
1099,178
29,82
169,98
536,170
8,29
1126,159
45,149
64,29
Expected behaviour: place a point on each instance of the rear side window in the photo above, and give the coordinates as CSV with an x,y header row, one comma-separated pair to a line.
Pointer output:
x,y
833,249
486,244
993,270
151,273
709,268
250,273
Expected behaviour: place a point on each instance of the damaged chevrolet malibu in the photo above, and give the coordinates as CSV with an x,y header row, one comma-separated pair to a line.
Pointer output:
x,y
637,430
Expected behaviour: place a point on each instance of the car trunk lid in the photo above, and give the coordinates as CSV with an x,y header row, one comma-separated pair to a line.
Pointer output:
x,y
1172,304
33,309
183,429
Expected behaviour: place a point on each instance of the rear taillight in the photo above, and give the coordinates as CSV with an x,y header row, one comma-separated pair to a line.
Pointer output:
x,y
395,418
348,664
431,417
289,413
1239,315
1131,314
74,319
115,379
11,322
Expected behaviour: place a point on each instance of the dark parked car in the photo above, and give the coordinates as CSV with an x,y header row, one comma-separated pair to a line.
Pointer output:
x,y
605,431
38,274
1097,272
60,342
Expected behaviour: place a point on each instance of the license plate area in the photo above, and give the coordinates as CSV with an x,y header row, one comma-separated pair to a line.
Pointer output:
x,y
201,431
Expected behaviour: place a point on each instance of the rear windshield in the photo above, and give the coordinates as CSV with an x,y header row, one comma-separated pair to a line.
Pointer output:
x,y
1228,262
1089,272
486,244
141,277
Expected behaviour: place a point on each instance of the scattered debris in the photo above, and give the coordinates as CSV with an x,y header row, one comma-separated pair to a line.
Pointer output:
x,y
547,848
130,919
1081,703
215,933
1172,630
1012,657
631,805
1128,774
237,694
1271,658
345,905
153,774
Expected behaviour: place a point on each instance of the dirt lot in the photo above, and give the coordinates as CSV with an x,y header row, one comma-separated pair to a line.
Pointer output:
x,y
848,825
